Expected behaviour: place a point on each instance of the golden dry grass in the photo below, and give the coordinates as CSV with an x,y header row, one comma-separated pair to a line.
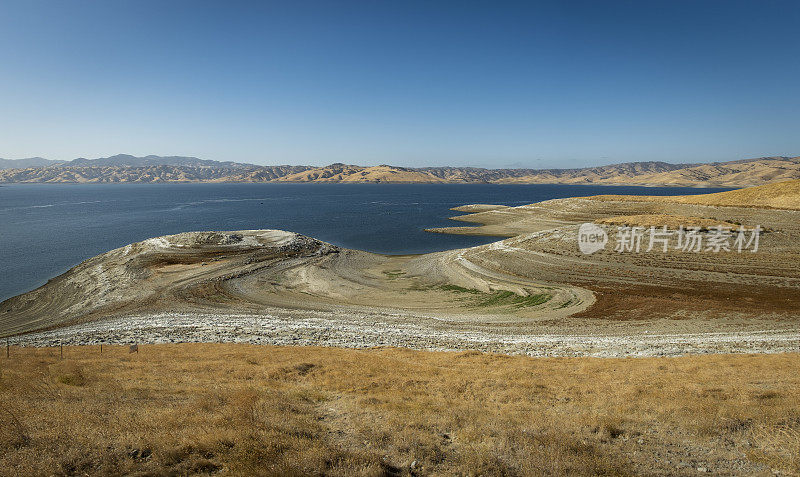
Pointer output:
x,y
349,173
250,410
779,195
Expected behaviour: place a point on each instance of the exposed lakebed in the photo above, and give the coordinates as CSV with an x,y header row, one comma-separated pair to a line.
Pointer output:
x,y
48,228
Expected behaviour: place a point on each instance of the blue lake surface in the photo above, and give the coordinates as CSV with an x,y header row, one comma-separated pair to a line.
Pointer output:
x,y
47,228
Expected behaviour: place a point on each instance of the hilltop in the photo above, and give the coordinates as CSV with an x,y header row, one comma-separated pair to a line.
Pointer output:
x,y
742,173
347,173
27,162
127,160
127,168
120,160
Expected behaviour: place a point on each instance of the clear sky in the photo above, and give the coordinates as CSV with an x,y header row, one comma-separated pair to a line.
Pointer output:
x,y
495,84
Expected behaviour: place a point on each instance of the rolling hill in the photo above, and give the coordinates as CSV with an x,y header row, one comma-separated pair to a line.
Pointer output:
x,y
126,168
347,173
110,174
126,160
28,162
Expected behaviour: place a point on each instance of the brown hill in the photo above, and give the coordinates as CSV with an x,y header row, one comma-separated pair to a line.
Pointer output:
x,y
332,173
781,195
162,173
385,173
348,173
742,173
611,174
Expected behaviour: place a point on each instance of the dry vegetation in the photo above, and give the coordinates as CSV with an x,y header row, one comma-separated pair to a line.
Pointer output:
x,y
672,222
250,410
781,195
743,173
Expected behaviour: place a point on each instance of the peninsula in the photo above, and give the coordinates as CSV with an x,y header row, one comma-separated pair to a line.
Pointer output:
x,y
531,293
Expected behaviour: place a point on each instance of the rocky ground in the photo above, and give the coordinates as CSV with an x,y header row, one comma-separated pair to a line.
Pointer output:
x,y
367,330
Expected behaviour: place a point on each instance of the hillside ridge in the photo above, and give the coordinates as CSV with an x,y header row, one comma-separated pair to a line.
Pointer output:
x,y
127,168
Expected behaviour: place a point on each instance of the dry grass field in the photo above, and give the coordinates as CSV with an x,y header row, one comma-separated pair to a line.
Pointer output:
x,y
252,410
778,195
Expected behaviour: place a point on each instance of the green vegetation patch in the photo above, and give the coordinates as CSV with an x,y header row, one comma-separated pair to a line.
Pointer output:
x,y
458,289
392,274
500,297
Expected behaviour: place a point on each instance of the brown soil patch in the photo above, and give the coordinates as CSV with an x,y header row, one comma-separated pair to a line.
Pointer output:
x,y
642,302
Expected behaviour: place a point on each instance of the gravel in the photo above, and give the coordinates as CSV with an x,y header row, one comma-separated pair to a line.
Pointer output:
x,y
312,328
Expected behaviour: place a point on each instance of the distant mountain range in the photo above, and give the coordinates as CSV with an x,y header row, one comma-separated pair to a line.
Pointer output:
x,y
120,160
126,168
29,162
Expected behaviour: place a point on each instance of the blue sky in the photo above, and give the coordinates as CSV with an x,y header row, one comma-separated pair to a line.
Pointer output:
x,y
495,84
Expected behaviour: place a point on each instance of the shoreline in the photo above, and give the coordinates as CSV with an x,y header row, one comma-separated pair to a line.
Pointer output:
x,y
532,294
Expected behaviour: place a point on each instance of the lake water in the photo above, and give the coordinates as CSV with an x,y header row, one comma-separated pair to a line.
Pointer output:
x,y
47,228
